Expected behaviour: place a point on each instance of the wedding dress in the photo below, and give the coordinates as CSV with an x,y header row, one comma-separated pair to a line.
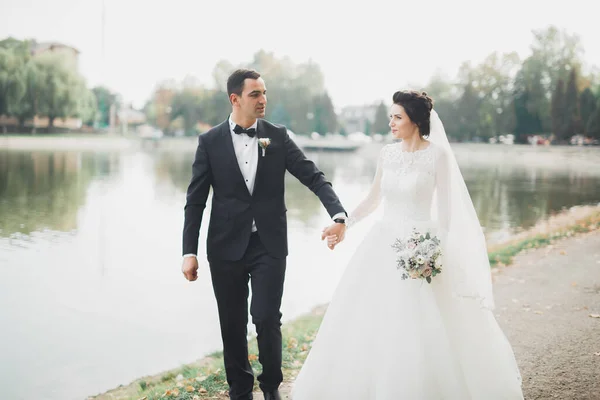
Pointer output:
x,y
384,338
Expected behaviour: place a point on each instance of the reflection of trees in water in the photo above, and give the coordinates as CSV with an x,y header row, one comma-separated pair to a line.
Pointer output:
x,y
341,168
44,190
174,168
506,196
512,198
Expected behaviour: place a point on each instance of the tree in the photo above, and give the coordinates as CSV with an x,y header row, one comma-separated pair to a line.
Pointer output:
x,y
187,104
593,126
59,87
493,81
280,115
158,109
558,110
530,102
27,107
324,116
554,54
572,112
105,98
587,102
468,113
381,122
87,107
12,82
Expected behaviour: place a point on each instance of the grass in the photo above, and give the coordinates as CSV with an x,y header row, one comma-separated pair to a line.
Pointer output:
x,y
205,379
504,254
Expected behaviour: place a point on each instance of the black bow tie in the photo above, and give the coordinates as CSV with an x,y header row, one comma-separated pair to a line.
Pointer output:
x,y
239,130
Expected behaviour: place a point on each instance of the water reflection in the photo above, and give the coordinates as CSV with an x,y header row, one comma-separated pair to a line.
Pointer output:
x,y
44,190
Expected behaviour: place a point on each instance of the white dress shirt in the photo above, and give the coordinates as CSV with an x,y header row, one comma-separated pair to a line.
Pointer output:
x,y
246,152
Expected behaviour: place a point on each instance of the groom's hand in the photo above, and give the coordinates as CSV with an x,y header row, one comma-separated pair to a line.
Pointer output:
x,y
190,268
335,234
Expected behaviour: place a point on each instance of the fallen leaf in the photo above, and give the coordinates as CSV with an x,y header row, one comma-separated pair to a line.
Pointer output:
x,y
252,357
144,398
538,312
574,284
595,315
196,397
201,378
304,347
189,389
175,392
562,252
202,390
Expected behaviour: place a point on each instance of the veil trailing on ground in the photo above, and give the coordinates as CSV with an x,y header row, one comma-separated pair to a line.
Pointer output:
x,y
464,245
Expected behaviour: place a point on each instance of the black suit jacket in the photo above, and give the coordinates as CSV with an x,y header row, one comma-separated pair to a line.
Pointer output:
x,y
233,207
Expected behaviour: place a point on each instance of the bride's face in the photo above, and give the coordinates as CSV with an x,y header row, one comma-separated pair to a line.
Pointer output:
x,y
402,127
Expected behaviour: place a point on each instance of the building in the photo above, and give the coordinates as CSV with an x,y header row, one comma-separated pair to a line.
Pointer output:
x,y
69,53
355,118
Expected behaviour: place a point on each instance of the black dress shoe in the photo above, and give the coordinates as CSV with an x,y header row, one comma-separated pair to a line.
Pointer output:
x,y
272,395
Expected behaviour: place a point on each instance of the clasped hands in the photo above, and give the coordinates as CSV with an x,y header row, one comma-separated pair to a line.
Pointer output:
x,y
334,233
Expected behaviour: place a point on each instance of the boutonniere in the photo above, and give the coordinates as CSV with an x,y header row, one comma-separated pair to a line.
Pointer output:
x,y
264,143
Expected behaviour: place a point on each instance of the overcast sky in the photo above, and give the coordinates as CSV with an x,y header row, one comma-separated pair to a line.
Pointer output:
x,y
366,52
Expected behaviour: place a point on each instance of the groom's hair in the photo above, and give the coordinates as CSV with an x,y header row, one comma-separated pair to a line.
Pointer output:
x,y
418,106
235,82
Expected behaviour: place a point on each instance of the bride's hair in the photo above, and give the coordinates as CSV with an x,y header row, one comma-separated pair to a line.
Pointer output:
x,y
418,106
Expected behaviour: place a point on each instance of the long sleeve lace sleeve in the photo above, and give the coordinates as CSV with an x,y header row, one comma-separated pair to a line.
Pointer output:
x,y
373,198
442,186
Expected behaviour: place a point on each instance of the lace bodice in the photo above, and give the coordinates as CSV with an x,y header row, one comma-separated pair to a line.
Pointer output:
x,y
406,183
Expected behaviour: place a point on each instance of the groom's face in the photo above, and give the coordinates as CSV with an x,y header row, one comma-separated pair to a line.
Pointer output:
x,y
253,102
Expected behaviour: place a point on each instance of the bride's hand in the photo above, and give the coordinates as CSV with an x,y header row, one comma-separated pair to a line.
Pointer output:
x,y
335,234
332,241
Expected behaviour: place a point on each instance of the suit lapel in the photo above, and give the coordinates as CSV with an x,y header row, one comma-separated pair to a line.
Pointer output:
x,y
260,133
230,153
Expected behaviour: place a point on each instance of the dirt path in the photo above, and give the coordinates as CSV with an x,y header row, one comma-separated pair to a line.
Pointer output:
x,y
547,303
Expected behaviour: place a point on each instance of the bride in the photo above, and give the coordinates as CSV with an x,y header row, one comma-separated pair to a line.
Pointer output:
x,y
384,338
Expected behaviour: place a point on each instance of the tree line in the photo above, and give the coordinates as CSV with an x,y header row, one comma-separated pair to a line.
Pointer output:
x,y
552,92
46,85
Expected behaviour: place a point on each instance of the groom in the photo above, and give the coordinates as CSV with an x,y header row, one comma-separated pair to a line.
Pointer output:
x,y
244,160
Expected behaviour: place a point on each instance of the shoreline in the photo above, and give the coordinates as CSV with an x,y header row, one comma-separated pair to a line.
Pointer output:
x,y
204,379
93,142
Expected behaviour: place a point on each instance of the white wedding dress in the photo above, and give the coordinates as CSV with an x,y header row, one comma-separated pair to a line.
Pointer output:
x,y
383,338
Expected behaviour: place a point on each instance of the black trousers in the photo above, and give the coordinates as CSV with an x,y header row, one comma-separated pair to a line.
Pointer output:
x,y
230,280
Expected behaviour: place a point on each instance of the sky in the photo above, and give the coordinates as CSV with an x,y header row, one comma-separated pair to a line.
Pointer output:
x,y
366,50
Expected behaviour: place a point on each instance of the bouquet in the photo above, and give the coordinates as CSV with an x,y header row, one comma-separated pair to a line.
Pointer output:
x,y
419,256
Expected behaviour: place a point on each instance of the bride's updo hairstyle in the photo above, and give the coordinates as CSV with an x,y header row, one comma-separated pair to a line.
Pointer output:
x,y
418,106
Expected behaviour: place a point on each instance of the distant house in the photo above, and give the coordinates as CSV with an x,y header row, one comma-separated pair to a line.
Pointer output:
x,y
126,117
355,118
70,53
